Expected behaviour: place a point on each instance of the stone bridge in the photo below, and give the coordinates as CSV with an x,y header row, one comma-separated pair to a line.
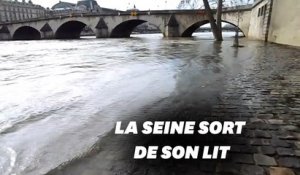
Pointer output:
x,y
172,23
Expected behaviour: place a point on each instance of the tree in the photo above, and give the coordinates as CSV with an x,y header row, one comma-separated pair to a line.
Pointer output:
x,y
216,24
219,17
237,4
189,4
214,27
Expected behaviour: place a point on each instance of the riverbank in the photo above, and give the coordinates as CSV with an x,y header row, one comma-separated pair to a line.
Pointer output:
x,y
64,109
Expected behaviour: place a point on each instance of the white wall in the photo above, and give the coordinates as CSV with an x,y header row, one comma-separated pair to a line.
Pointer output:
x,y
285,22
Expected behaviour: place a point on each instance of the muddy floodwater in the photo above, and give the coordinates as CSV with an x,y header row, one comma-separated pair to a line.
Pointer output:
x,y
60,98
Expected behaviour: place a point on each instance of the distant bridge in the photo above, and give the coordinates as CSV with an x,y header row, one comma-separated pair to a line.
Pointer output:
x,y
172,23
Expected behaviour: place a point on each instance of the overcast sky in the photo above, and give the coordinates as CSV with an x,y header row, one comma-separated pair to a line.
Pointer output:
x,y
122,4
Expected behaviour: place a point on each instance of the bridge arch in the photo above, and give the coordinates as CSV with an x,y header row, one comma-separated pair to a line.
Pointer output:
x,y
188,32
70,30
26,33
124,29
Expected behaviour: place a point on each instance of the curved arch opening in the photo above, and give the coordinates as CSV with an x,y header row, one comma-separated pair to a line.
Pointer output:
x,y
70,30
203,26
27,33
87,32
125,29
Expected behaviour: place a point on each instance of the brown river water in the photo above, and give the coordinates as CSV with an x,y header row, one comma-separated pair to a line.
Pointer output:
x,y
60,97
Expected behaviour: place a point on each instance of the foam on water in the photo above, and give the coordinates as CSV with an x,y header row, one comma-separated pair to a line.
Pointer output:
x,y
7,160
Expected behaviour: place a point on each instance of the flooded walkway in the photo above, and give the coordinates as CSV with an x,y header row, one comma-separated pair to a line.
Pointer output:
x,y
58,111
265,92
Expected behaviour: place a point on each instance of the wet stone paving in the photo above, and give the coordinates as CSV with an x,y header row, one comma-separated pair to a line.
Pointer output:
x,y
267,96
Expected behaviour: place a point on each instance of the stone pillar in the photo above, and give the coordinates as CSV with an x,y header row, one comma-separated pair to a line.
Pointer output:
x,y
47,32
172,27
4,33
102,29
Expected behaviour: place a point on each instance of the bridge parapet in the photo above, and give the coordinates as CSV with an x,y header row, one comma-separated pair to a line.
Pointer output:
x,y
172,23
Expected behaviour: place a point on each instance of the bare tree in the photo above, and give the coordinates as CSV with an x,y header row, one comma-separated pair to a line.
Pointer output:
x,y
216,24
189,4
214,27
207,4
237,4
219,18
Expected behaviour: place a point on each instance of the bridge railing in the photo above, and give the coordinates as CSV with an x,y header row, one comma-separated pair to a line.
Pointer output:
x,y
94,14
123,13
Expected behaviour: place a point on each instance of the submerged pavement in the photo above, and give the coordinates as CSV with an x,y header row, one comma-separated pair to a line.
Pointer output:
x,y
61,99
265,93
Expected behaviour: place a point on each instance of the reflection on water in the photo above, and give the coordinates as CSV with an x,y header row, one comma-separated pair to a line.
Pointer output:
x,y
59,97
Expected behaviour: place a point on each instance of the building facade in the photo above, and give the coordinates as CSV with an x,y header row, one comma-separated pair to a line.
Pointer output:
x,y
15,10
90,5
61,5
276,21
284,23
82,6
